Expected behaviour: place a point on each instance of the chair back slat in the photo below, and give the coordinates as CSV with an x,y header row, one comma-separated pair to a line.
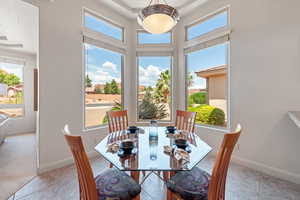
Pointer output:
x,y
87,185
117,120
185,120
217,184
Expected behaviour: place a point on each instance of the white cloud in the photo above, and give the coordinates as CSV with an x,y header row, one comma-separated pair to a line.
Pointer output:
x,y
110,65
149,75
102,77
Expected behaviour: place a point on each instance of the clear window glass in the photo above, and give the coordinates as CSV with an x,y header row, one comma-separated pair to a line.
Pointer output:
x,y
208,25
11,89
103,84
154,88
207,85
148,38
96,24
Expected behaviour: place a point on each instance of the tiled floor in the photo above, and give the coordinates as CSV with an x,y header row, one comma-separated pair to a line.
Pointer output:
x,y
17,163
242,184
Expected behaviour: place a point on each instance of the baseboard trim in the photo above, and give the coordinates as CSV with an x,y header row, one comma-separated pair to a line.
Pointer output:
x,y
272,171
61,163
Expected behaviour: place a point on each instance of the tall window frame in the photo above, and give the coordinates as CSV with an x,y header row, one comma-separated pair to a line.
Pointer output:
x,y
206,18
107,43
9,106
153,44
156,54
110,22
210,39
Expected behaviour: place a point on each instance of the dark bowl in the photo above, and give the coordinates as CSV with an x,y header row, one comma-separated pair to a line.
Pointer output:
x,y
181,143
171,129
132,129
127,146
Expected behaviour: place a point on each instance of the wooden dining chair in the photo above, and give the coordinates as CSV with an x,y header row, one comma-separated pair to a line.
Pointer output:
x,y
198,184
185,120
111,183
117,120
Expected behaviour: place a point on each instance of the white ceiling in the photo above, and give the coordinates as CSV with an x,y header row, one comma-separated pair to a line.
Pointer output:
x,y
131,7
19,23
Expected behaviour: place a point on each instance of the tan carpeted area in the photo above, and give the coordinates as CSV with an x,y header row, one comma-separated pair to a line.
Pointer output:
x,y
17,163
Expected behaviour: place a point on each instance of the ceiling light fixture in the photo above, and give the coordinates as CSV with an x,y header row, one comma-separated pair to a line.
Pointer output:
x,y
158,17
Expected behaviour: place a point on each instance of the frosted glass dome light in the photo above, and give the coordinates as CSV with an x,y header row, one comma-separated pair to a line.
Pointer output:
x,y
158,18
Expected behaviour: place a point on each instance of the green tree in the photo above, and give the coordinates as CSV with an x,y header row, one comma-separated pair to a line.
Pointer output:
x,y
88,81
114,87
2,75
11,79
148,109
190,80
107,88
117,106
162,89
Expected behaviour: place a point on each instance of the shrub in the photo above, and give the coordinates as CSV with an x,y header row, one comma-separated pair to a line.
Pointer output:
x,y
197,98
207,114
148,109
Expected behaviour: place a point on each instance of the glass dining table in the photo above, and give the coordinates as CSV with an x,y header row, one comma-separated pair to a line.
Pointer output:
x,y
149,153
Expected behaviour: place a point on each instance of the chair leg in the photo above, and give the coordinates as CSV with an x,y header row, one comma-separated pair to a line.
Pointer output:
x,y
166,175
136,176
169,195
137,197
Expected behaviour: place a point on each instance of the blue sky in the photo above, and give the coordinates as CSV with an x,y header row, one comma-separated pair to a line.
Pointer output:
x,y
13,69
104,65
204,59
151,67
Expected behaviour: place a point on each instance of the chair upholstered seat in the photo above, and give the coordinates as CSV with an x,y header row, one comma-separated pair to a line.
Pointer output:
x,y
114,184
190,185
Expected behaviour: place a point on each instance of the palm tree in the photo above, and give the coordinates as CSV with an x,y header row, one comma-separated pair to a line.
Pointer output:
x,y
162,89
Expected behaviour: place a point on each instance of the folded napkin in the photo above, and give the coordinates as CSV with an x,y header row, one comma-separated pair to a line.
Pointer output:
x,y
181,155
113,148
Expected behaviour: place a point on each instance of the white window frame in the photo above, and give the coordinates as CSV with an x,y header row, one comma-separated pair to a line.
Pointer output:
x,y
104,19
155,54
15,106
153,44
106,42
205,18
210,39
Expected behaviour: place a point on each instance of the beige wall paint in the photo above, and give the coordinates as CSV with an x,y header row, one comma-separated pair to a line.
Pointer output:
x,y
264,77
217,87
60,70
264,80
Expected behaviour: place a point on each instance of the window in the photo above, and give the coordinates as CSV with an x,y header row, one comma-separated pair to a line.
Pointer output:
x,y
154,88
11,89
103,84
207,84
205,26
148,38
100,25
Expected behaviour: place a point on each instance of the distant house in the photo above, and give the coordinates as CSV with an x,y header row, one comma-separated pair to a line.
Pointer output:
x,y
90,90
216,85
13,90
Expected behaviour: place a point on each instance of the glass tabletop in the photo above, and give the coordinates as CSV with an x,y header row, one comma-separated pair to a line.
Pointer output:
x,y
149,152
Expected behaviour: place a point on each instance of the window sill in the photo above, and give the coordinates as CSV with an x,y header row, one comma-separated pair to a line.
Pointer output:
x,y
214,128
95,128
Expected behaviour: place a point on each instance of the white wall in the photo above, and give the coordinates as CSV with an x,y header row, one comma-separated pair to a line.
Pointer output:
x,y
265,80
61,77
27,123
265,58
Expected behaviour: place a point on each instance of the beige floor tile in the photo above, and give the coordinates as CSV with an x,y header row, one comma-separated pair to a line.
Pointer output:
x,y
17,163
